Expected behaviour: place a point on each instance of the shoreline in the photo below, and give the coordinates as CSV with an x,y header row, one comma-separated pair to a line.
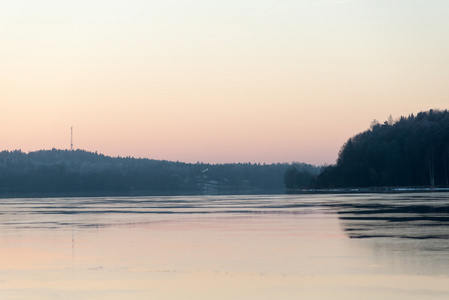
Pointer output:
x,y
134,194
369,190
379,190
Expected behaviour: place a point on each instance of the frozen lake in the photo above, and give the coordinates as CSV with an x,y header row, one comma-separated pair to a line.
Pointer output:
x,y
354,246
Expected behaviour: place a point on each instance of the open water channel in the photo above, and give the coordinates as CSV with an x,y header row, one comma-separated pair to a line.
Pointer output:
x,y
347,246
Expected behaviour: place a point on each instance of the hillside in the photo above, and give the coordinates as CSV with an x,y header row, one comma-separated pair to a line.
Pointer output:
x,y
62,172
412,151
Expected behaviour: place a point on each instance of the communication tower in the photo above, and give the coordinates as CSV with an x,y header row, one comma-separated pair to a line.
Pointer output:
x,y
71,138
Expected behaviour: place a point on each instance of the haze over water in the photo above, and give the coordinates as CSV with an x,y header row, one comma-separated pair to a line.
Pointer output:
x,y
370,246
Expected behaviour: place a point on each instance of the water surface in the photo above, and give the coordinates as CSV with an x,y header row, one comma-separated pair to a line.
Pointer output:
x,y
358,246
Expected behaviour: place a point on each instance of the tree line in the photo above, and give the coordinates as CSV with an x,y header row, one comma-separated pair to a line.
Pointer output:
x,y
79,172
411,151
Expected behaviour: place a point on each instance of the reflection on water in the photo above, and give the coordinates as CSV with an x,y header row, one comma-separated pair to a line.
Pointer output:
x,y
390,246
398,216
410,232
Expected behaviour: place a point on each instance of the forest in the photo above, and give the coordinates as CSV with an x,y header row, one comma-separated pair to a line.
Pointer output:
x,y
82,173
412,151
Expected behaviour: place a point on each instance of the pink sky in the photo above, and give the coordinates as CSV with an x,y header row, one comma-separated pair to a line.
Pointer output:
x,y
235,82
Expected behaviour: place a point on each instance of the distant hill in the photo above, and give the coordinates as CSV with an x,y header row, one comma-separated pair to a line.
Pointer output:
x,y
412,151
81,173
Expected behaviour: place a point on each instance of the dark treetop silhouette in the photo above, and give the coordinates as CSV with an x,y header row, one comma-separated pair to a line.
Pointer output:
x,y
412,151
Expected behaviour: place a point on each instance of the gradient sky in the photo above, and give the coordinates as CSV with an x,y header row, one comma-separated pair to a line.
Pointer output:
x,y
216,81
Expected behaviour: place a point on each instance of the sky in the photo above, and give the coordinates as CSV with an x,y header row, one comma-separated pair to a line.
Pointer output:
x,y
216,81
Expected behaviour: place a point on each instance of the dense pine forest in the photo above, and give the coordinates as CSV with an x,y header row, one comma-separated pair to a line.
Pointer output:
x,y
62,172
411,151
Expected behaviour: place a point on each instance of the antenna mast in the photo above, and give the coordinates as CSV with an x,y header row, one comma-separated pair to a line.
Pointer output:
x,y
71,138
